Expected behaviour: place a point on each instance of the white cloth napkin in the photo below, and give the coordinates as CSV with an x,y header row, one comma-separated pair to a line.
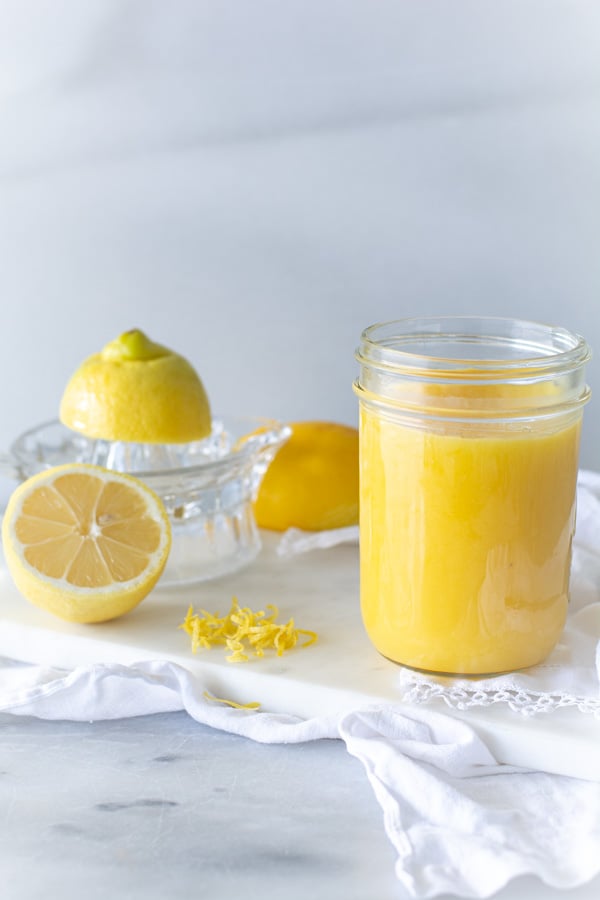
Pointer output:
x,y
459,821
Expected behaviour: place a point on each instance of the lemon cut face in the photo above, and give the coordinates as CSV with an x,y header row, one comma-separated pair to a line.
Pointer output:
x,y
85,543
137,391
312,483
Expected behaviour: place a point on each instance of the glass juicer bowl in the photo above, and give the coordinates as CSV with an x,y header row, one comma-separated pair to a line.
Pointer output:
x,y
207,486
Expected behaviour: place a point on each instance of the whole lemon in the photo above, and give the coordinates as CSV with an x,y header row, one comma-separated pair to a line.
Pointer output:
x,y
312,483
137,390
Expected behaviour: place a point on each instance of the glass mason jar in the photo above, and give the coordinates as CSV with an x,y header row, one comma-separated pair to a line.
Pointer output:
x,y
469,444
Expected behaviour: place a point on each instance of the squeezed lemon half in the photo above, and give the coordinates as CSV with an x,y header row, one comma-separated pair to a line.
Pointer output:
x,y
137,391
312,483
85,543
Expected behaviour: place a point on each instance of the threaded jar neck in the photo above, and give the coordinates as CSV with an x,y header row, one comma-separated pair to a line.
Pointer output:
x,y
473,367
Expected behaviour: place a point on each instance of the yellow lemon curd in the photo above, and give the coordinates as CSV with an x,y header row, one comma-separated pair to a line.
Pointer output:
x,y
465,540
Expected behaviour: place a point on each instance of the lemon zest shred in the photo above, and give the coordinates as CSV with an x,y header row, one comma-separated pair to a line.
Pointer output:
x,y
232,703
243,631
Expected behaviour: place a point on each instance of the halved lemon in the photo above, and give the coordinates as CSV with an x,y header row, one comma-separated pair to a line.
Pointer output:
x,y
85,543
312,483
138,391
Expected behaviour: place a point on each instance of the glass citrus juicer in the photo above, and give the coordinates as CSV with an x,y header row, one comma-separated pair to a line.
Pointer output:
x,y
207,485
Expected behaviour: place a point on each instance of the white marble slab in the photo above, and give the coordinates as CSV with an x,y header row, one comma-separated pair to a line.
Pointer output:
x,y
342,671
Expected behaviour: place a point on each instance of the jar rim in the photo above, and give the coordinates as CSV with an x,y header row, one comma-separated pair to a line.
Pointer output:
x,y
519,346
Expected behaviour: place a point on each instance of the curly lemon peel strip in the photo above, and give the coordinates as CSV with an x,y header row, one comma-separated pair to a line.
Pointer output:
x,y
232,703
242,631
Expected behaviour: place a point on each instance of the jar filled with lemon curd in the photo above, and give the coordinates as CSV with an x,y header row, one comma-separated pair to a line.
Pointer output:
x,y
469,445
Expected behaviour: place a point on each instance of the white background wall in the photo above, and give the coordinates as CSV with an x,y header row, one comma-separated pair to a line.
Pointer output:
x,y
255,182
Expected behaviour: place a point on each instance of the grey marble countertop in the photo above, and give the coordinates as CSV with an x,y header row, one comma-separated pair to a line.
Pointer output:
x,y
162,807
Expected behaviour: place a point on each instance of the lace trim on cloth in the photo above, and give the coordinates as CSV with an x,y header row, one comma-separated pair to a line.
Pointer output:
x,y
528,703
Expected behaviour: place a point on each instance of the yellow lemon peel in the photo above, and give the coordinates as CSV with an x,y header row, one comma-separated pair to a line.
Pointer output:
x,y
312,482
243,631
137,391
232,703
